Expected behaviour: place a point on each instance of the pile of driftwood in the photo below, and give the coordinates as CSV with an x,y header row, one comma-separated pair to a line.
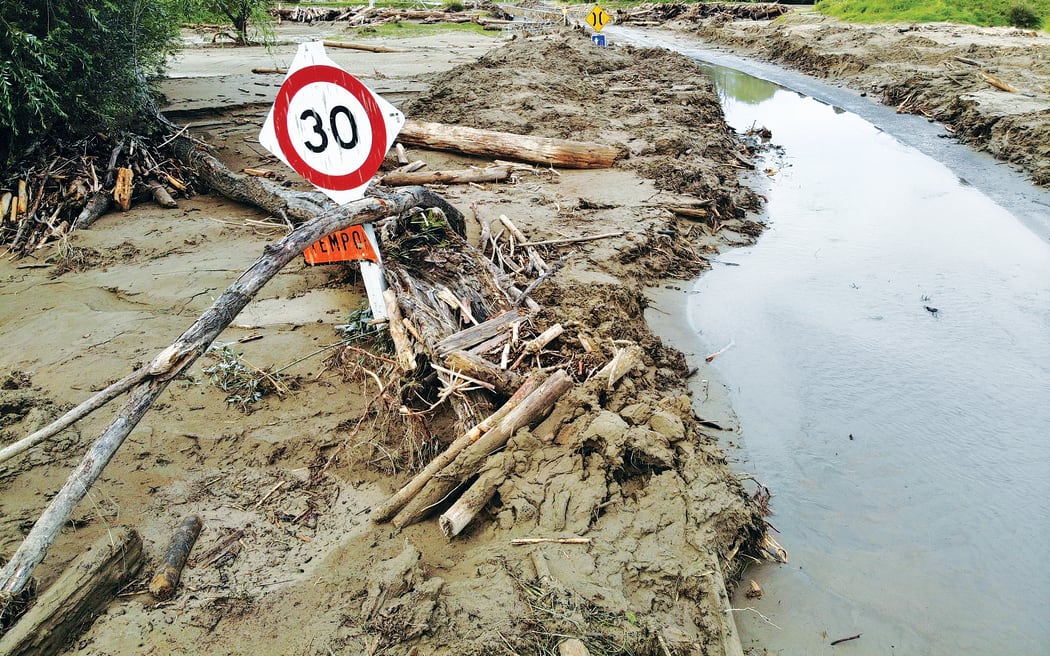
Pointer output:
x,y
366,16
73,185
659,14
460,321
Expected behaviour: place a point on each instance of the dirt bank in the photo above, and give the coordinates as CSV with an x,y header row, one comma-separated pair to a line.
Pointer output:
x,y
949,73
306,572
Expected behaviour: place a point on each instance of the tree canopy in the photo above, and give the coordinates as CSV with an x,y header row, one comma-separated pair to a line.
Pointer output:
x,y
73,67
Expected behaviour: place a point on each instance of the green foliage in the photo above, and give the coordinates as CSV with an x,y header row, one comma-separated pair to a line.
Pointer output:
x,y
976,12
250,18
72,67
244,385
454,5
1022,15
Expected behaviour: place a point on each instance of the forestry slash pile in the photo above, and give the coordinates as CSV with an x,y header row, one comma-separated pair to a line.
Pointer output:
x,y
515,397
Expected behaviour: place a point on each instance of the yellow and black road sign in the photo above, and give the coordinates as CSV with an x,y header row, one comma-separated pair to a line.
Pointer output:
x,y
598,18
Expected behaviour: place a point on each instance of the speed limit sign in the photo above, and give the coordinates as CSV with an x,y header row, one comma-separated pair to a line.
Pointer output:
x,y
328,126
334,131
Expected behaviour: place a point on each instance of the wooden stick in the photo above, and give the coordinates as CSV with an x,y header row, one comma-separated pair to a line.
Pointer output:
x,y
524,541
166,580
161,195
180,355
406,355
842,640
123,187
73,416
269,71
573,240
539,343
386,510
537,261
538,150
80,593
530,410
458,176
367,47
470,503
400,154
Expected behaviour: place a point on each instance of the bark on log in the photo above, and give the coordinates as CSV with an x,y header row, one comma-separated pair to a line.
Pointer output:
x,y
97,205
537,150
476,334
460,176
74,415
367,47
166,579
180,355
84,590
474,365
161,195
386,510
530,410
470,503
296,206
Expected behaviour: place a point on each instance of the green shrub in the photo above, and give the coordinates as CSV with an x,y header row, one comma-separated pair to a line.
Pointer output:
x,y
1022,15
73,67
454,6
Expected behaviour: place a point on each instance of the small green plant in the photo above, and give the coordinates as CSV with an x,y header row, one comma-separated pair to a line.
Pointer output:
x,y
244,384
1024,16
454,6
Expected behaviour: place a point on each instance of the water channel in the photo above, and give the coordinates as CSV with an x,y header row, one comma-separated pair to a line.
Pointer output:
x,y
891,377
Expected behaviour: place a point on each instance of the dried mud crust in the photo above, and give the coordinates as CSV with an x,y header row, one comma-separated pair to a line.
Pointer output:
x,y
942,71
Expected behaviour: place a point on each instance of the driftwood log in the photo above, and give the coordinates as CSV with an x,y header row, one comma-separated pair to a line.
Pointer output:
x,y
184,352
166,580
532,408
83,591
386,510
295,206
537,150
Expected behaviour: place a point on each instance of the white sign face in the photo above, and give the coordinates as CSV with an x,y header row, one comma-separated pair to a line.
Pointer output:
x,y
329,127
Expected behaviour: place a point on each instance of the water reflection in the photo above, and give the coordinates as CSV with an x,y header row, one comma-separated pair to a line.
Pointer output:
x,y
906,447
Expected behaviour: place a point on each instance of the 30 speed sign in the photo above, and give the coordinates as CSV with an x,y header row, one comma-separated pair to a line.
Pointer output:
x,y
328,126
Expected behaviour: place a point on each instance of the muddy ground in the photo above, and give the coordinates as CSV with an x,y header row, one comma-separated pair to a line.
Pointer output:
x,y
633,469
636,470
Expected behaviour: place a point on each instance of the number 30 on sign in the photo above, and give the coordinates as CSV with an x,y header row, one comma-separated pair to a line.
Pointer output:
x,y
328,126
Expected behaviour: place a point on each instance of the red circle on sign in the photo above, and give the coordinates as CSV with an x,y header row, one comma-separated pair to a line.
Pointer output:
x,y
320,73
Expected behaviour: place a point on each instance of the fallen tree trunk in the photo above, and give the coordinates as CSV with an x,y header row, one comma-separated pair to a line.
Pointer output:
x,y
530,410
537,150
184,352
83,591
295,206
386,510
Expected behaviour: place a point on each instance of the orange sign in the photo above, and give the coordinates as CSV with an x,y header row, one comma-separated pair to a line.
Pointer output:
x,y
342,246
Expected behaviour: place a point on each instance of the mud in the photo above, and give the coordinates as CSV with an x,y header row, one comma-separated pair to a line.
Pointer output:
x,y
289,561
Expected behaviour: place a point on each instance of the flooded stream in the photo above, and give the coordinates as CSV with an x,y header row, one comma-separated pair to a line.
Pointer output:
x,y
890,372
